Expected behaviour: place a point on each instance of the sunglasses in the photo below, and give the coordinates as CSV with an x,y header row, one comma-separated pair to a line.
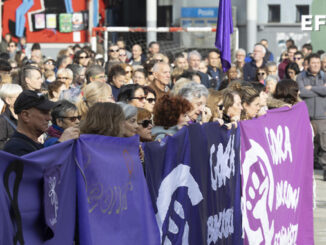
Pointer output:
x,y
72,119
151,100
138,98
63,78
114,50
220,107
150,73
261,73
146,123
83,57
297,58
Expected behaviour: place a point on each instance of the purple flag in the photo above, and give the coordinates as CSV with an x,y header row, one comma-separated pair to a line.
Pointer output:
x,y
223,32
114,205
277,177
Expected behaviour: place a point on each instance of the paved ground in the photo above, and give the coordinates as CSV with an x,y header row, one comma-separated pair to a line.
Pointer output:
x,y
320,211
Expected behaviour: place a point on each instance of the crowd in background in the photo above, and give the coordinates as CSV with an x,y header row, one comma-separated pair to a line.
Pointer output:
x,y
53,99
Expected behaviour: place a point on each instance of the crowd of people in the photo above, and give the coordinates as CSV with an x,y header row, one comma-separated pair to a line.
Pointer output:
x,y
47,100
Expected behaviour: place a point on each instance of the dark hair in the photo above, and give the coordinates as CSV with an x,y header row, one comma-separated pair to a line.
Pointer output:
x,y
228,99
115,70
258,86
287,90
291,41
148,90
293,66
103,119
36,46
261,68
307,46
292,47
26,72
61,109
5,65
53,87
314,55
76,69
320,52
248,94
300,53
168,109
127,92
77,54
61,59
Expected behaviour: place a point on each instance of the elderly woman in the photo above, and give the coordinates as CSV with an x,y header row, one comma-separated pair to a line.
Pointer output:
x,y
271,82
132,94
197,95
92,93
145,123
64,115
65,75
8,120
104,119
171,113
130,125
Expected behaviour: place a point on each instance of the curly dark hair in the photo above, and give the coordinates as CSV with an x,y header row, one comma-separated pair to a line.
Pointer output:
x,y
287,90
168,109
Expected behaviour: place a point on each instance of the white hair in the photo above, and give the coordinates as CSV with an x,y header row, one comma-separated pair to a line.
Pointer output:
x,y
9,90
262,46
323,56
194,53
240,50
65,71
156,67
193,90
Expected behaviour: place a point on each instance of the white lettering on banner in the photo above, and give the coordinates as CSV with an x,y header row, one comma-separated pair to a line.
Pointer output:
x,y
180,176
220,226
258,197
287,195
224,163
287,236
54,199
205,13
276,144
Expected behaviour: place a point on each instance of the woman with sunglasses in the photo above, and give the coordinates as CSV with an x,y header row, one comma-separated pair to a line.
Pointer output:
x,y
128,69
215,104
150,98
132,94
170,115
145,123
81,58
261,74
64,115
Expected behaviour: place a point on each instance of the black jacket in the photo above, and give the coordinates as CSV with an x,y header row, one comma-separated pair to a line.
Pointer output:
x,y
6,129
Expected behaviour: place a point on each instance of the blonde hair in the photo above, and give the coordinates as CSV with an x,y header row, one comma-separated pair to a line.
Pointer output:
x,y
92,93
214,97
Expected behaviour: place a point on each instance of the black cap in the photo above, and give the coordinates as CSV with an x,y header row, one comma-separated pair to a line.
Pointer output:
x,y
31,99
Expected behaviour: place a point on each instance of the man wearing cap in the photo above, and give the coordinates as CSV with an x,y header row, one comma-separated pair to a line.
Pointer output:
x,y
33,111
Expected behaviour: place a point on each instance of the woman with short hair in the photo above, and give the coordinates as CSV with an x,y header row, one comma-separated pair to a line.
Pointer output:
x,y
132,94
8,119
145,123
130,125
171,113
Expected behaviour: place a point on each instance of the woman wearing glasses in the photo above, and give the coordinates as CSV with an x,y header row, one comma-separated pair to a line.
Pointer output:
x,y
64,115
132,94
81,58
261,74
145,123
150,98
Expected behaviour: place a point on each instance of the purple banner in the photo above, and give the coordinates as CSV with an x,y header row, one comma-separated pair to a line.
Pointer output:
x,y
277,177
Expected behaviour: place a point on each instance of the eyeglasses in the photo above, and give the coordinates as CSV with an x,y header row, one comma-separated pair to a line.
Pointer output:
x,y
114,50
297,58
101,77
83,57
63,78
128,71
220,107
72,119
138,98
261,73
49,63
146,123
150,73
151,100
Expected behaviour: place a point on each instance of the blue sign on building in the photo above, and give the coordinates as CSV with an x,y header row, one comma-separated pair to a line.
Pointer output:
x,y
199,12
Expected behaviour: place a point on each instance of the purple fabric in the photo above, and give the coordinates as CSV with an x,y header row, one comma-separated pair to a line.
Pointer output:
x,y
223,32
114,205
47,209
277,177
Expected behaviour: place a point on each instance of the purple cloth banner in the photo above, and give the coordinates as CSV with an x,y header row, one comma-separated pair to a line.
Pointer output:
x,y
277,177
115,206
223,33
